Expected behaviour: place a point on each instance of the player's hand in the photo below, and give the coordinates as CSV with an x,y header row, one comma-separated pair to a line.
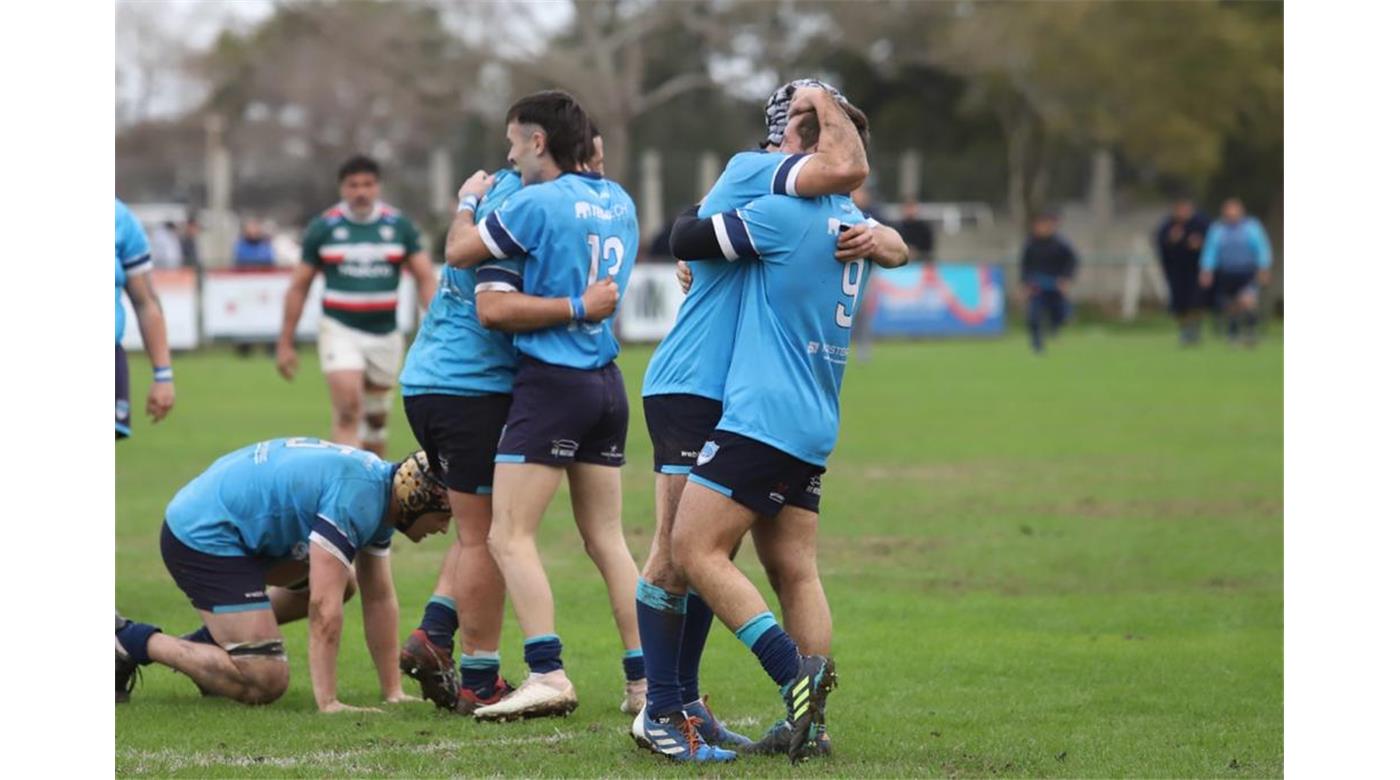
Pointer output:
x,y
159,400
477,184
337,706
1264,276
1206,278
855,243
287,361
600,300
684,276
804,99
399,697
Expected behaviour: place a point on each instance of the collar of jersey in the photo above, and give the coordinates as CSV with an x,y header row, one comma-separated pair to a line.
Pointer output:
x,y
374,213
585,174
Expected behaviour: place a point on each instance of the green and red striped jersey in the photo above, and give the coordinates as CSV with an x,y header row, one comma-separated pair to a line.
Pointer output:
x,y
362,262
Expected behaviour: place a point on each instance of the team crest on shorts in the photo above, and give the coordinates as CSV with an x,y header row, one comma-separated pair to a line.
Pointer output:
x,y
300,551
442,463
707,453
563,448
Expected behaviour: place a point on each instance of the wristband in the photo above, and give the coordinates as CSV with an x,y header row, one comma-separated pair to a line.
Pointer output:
x,y
469,203
576,308
163,374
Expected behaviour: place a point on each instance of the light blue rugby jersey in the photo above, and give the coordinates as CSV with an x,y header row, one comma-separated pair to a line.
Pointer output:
x,y
452,353
272,499
570,232
694,357
784,386
133,256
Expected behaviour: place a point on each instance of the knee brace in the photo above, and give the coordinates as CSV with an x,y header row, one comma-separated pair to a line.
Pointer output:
x,y
267,648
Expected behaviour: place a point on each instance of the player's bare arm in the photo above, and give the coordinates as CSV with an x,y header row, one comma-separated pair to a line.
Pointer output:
x,y
421,267
465,248
151,319
882,244
839,165
326,619
516,312
292,306
380,606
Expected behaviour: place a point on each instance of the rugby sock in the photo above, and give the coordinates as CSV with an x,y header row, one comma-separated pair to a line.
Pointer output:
x,y
542,653
774,648
480,670
202,636
134,637
660,621
633,668
698,617
440,621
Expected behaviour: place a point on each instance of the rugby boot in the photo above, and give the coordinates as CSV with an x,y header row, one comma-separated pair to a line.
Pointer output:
x,y
541,695
805,697
712,729
468,702
432,667
677,737
776,741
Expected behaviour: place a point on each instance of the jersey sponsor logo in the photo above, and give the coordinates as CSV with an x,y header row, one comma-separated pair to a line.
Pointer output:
x,y
563,448
707,453
585,210
386,232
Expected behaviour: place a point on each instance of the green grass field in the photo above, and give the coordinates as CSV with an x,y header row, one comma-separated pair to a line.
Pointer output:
x,y
1065,566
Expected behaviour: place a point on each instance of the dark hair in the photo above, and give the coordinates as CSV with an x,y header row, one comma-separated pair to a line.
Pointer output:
x,y
566,125
593,131
358,164
809,127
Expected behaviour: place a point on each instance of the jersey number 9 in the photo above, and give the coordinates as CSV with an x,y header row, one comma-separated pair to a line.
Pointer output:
x,y
850,285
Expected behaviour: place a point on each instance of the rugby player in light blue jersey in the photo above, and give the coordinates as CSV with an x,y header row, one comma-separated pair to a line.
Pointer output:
x,y
456,387
565,230
273,513
765,458
133,275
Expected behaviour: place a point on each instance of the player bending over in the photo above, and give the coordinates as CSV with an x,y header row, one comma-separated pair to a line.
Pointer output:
x,y
273,513
682,396
456,387
565,230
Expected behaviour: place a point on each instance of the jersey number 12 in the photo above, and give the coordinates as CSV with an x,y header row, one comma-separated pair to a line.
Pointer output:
x,y
611,247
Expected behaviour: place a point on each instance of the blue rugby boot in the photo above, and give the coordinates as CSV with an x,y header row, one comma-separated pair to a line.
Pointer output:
x,y
676,736
712,729
805,697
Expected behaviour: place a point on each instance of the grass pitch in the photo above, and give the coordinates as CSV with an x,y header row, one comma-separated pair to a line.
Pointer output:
x,y
1069,565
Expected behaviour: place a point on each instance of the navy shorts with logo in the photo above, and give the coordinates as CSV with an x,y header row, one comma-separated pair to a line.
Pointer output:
x,y
761,477
459,435
215,583
679,424
123,395
563,415
1229,284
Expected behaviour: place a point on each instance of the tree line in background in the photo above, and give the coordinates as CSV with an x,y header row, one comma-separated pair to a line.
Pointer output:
x,y
999,102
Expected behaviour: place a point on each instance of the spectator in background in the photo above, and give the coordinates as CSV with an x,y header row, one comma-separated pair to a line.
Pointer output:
x,y
189,241
253,250
1047,267
1179,241
1237,249
165,246
916,232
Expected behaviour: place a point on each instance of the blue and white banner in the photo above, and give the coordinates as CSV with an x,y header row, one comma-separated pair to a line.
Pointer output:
x,y
923,299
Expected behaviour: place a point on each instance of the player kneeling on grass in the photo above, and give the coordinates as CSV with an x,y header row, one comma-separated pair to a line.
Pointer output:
x,y
273,513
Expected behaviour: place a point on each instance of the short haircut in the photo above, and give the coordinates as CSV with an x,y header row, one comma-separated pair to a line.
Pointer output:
x,y
566,125
809,127
358,164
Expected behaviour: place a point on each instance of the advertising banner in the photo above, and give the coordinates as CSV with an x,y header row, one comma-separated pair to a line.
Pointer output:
x,y
923,299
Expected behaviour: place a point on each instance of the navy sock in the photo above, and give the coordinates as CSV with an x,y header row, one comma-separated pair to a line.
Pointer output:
x,y
543,653
479,672
134,637
660,621
440,621
633,667
202,636
774,648
698,618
